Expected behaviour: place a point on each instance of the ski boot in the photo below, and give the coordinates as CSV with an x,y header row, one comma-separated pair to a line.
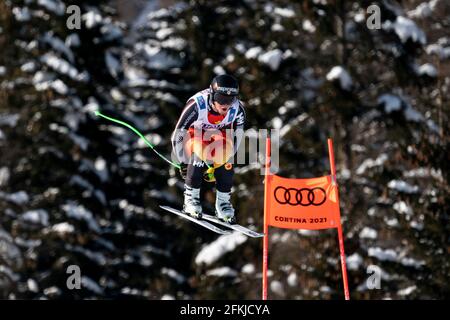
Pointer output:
x,y
224,209
192,204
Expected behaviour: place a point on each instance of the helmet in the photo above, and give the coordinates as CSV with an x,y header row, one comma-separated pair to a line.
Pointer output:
x,y
224,89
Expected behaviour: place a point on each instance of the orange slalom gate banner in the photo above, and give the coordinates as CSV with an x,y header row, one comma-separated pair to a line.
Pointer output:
x,y
303,203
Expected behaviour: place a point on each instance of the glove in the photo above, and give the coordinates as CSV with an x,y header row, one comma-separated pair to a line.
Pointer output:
x,y
183,170
208,176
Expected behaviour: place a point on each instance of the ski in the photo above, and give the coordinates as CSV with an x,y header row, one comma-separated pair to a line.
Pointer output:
x,y
201,222
237,227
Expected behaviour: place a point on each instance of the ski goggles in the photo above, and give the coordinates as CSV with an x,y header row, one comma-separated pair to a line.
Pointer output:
x,y
223,99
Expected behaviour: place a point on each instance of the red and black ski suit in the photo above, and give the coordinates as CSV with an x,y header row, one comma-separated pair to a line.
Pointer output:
x,y
199,115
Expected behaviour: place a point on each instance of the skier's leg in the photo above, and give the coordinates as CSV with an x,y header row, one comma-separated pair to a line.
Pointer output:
x,y
194,175
224,177
195,170
224,182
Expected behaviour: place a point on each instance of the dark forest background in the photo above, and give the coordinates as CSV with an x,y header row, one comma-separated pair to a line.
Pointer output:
x,y
78,190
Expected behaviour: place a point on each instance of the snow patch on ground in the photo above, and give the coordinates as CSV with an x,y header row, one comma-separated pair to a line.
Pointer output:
x,y
407,291
44,81
216,249
423,10
384,255
424,173
21,14
406,29
308,26
292,279
63,228
79,212
64,67
253,52
59,45
277,287
55,6
97,257
38,216
438,50
92,19
370,163
222,272
354,262
32,285
412,114
284,12
340,74
28,67
10,120
391,102
4,176
91,285
403,208
402,186
249,268
272,58
72,40
426,69
113,64
391,222
19,198
393,256
368,233
101,169
159,59
174,275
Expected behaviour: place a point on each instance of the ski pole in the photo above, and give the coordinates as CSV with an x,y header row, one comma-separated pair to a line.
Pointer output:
x,y
98,113
210,170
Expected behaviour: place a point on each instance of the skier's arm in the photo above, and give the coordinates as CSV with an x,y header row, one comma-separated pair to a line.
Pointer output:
x,y
187,118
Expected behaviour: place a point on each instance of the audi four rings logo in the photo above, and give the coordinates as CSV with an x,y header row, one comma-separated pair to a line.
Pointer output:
x,y
300,197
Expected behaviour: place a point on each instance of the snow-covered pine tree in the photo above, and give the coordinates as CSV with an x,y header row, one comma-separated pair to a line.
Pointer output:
x,y
73,187
315,70
311,69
